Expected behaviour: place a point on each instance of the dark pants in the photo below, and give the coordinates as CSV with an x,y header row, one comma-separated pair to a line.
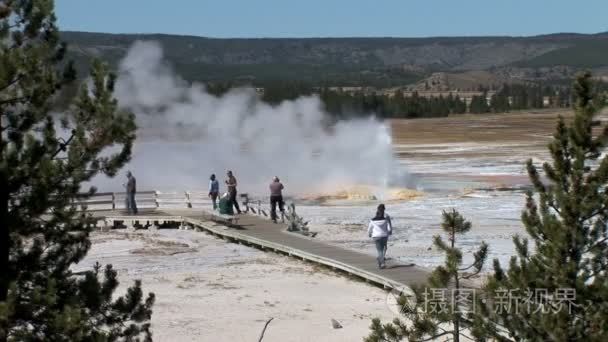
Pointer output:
x,y
213,196
131,205
234,202
274,200
381,243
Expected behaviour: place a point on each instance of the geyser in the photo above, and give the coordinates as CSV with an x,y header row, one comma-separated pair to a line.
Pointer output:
x,y
185,134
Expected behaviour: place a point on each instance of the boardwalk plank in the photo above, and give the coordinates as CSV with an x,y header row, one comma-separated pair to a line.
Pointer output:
x,y
256,230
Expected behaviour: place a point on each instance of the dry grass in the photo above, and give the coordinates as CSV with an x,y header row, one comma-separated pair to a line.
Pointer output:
x,y
533,127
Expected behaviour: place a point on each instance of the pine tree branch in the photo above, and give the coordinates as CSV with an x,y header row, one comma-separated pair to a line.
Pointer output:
x,y
445,332
60,179
451,332
551,204
13,100
499,329
471,266
595,245
595,213
532,327
18,23
64,145
469,276
466,268
595,273
22,43
466,336
8,85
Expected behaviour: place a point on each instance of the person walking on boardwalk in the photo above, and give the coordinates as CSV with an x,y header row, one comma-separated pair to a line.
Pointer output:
x,y
379,229
214,190
131,188
231,184
276,197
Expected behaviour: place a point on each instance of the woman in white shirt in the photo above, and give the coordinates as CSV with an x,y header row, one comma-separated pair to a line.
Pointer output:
x,y
379,229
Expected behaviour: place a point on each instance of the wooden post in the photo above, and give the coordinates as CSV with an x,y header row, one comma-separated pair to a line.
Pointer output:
x,y
113,201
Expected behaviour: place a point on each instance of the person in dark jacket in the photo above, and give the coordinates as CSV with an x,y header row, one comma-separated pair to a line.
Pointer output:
x,y
131,188
214,190
231,183
276,197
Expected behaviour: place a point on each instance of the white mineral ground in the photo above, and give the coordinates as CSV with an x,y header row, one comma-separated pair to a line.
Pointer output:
x,y
211,290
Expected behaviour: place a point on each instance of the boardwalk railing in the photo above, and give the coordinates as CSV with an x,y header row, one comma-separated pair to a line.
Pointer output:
x,y
99,199
160,199
115,200
144,199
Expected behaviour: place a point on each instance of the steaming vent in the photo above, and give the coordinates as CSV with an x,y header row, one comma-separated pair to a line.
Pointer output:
x,y
186,134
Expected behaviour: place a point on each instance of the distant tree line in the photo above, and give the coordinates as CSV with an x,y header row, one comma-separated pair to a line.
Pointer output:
x,y
346,105
343,104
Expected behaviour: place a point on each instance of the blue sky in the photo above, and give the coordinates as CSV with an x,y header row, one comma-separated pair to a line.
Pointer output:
x,y
334,18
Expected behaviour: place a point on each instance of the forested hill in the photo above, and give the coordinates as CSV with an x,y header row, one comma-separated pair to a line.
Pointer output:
x,y
355,61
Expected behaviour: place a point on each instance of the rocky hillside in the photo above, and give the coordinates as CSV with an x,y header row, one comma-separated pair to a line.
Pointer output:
x,y
387,61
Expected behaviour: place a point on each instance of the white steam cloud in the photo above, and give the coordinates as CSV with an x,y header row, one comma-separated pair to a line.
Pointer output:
x,y
186,134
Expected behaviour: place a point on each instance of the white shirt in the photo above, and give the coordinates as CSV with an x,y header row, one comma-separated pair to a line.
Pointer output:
x,y
380,228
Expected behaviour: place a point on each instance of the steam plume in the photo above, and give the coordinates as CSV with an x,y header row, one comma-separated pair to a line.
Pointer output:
x,y
186,134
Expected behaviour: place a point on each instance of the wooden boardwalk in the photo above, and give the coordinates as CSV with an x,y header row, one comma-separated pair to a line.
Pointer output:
x,y
262,233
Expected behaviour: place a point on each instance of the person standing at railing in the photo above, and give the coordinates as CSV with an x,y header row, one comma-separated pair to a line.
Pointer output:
x,y
214,190
131,188
231,184
276,197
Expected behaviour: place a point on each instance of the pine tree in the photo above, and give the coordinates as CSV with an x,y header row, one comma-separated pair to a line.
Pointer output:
x,y
558,291
460,106
45,156
444,306
478,105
